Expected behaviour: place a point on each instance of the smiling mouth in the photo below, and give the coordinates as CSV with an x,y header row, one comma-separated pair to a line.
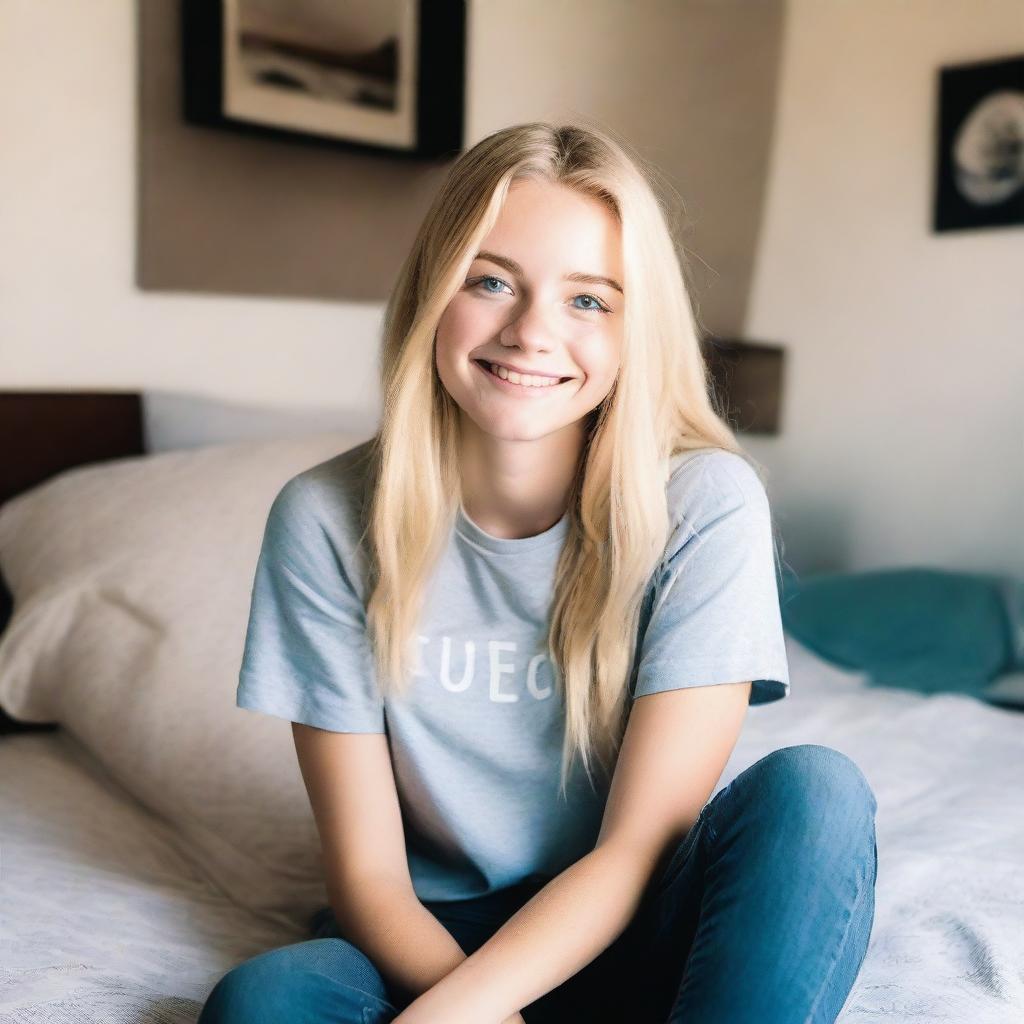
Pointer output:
x,y
486,367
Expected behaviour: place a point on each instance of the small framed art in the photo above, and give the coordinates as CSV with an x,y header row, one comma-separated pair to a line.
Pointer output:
x,y
746,382
980,160
384,76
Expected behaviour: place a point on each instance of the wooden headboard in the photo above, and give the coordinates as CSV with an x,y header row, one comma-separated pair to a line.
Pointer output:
x,y
51,431
47,432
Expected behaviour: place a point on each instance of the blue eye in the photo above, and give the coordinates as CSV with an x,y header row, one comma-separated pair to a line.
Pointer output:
x,y
481,280
599,307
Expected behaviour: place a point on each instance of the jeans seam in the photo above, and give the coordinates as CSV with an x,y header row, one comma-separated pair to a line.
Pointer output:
x,y
384,1004
835,959
369,995
705,813
712,835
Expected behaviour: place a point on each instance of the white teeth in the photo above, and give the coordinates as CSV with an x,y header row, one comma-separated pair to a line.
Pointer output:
x,y
525,379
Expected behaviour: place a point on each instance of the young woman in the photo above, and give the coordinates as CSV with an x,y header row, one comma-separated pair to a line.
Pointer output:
x,y
517,633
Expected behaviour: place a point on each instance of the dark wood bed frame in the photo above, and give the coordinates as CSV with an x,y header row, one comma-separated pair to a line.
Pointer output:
x,y
47,432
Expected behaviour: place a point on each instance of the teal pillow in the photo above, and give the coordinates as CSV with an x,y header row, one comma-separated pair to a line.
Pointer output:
x,y
928,630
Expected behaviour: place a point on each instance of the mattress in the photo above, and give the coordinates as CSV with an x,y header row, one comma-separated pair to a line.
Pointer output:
x,y
104,920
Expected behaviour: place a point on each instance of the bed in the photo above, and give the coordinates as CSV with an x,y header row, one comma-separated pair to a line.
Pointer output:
x,y
154,835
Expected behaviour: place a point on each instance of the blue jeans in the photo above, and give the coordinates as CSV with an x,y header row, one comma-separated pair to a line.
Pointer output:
x,y
761,914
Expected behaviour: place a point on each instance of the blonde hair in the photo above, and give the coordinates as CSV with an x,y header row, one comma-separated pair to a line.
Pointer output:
x,y
659,405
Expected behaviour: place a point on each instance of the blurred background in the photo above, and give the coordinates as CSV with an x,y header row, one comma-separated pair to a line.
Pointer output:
x,y
238,280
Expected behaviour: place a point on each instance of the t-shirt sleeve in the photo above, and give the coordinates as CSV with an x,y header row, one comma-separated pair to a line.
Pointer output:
x,y
307,656
715,615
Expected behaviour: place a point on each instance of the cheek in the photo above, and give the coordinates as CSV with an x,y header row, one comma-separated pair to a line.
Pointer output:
x,y
461,324
599,357
446,340
457,336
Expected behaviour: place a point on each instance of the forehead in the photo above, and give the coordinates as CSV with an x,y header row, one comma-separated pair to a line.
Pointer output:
x,y
548,227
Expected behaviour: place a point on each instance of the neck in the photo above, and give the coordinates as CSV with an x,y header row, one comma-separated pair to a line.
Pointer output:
x,y
517,489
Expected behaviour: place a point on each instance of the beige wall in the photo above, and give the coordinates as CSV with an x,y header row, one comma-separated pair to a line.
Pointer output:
x,y
690,83
224,212
71,315
902,424
903,433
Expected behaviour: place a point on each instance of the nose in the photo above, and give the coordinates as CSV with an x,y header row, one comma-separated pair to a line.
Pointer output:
x,y
530,329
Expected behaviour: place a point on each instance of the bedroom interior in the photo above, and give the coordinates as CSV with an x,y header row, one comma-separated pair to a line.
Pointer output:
x,y
191,316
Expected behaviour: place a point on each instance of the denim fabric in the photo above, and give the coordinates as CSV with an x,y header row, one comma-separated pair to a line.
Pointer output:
x,y
761,915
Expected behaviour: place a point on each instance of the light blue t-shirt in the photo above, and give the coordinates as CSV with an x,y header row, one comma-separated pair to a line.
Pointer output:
x,y
476,749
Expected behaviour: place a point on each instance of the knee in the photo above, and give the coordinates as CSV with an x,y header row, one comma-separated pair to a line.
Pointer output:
x,y
819,781
275,986
254,991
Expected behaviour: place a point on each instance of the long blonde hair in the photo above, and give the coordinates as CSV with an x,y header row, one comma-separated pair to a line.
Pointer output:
x,y
660,404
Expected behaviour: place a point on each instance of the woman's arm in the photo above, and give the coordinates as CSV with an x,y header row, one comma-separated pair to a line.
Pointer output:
x,y
675,748
406,943
577,915
351,788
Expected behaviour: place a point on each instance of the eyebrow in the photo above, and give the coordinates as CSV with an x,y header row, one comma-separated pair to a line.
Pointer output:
x,y
515,268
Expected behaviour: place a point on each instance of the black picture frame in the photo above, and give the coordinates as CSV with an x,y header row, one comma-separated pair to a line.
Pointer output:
x,y
746,385
404,101
980,157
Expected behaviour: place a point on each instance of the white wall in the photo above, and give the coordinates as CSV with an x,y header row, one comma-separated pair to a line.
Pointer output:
x,y
903,438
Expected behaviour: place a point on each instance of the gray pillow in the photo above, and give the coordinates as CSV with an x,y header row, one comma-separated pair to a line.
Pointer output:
x,y
132,581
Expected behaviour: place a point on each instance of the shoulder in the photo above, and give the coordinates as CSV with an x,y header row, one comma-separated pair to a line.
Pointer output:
x,y
320,509
333,488
708,482
708,486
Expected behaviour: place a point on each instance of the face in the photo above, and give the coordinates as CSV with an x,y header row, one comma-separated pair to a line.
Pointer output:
x,y
532,302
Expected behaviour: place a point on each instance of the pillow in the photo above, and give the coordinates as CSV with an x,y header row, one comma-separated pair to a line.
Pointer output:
x,y
1007,690
173,420
928,630
814,677
132,580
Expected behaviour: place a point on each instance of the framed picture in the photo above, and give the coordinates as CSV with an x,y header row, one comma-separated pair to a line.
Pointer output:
x,y
746,383
980,166
383,76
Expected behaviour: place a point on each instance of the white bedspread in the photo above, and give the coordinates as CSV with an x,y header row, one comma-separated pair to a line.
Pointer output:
x,y
102,921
